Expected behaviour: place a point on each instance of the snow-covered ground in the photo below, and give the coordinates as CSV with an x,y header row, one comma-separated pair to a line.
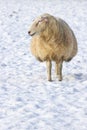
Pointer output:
x,y
27,100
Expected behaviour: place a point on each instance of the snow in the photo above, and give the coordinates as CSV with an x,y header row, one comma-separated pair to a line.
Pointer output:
x,y
27,100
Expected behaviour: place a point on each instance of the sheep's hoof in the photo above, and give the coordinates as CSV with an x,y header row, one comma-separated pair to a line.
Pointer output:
x,y
50,80
59,78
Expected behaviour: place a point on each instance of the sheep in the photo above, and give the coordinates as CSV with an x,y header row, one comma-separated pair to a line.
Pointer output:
x,y
52,40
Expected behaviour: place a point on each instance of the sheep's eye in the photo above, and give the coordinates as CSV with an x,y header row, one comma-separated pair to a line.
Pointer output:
x,y
36,24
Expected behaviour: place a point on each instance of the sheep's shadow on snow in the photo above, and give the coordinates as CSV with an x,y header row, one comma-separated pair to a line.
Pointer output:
x,y
80,76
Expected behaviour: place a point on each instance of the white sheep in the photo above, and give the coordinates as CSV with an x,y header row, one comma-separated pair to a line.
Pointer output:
x,y
52,40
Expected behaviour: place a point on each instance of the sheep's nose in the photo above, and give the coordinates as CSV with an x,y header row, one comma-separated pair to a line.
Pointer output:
x,y
29,32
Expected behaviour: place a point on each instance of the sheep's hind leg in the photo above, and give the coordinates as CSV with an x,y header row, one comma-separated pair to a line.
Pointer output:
x,y
58,69
49,66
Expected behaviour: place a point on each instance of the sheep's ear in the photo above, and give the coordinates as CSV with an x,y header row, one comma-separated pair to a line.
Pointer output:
x,y
46,20
43,19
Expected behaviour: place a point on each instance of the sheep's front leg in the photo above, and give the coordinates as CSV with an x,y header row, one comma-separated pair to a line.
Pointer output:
x,y
58,69
49,66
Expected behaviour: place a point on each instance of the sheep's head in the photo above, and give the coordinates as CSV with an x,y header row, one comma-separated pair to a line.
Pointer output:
x,y
38,26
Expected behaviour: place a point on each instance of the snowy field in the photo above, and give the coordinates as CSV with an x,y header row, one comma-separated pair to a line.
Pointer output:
x,y
27,100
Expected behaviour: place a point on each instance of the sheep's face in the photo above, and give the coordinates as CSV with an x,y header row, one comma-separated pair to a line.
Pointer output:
x,y
38,26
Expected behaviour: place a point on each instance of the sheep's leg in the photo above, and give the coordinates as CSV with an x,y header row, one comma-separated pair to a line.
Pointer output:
x,y
49,66
58,69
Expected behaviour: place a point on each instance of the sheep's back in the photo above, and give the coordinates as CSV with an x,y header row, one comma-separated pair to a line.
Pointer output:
x,y
68,40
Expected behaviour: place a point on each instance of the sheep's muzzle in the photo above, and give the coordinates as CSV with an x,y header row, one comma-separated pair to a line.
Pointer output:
x,y
31,34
